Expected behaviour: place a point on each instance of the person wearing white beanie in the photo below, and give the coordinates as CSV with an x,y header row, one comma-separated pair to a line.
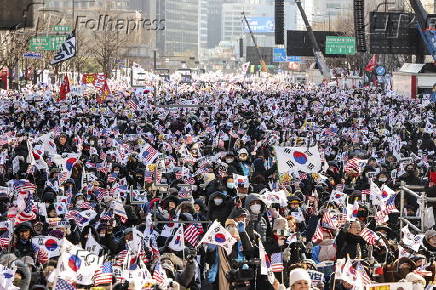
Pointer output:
x,y
299,279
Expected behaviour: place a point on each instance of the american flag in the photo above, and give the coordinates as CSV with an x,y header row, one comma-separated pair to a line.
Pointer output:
x,y
317,236
159,274
102,167
148,177
42,256
329,220
112,177
104,274
107,215
352,165
121,257
23,185
369,236
27,214
4,240
277,262
86,205
63,285
148,153
191,235
133,104
303,176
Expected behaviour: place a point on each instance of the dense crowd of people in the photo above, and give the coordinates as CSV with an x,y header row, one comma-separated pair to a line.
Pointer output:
x,y
154,192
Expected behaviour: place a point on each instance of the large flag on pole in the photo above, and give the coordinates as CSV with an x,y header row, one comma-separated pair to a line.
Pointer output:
x,y
67,50
294,159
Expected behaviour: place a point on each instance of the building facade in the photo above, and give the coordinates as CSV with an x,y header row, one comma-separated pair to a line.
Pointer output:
x,y
181,34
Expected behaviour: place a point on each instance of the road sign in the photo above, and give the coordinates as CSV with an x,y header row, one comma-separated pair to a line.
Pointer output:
x,y
279,55
47,42
340,45
34,55
61,28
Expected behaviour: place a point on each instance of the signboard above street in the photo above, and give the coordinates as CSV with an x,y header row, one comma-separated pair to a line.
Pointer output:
x,y
260,24
46,42
279,55
34,55
340,45
61,28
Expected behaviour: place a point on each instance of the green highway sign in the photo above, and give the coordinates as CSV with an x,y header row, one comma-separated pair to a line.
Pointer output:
x,y
340,45
61,28
47,42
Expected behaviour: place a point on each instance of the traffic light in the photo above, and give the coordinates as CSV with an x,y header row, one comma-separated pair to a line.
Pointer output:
x,y
359,25
279,16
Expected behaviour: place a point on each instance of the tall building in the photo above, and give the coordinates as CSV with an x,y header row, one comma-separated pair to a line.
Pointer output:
x,y
214,19
180,37
260,11
325,11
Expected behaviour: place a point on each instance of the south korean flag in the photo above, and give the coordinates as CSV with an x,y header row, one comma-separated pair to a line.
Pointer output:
x,y
67,50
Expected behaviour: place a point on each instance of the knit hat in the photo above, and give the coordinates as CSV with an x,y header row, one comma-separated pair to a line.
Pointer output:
x,y
298,275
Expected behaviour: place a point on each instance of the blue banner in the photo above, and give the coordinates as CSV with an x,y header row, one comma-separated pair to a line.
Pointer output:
x,y
279,55
260,24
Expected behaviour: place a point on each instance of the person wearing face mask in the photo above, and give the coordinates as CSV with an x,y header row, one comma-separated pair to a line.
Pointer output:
x,y
257,223
411,176
229,159
349,242
220,206
244,164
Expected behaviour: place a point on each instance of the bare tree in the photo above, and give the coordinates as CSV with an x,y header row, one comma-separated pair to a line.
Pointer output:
x,y
12,46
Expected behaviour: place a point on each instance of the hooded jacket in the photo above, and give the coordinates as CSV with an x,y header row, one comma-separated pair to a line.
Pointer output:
x,y
222,211
257,223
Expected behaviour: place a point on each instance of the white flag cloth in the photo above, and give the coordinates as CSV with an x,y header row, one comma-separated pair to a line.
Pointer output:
x,y
245,67
338,197
265,264
294,159
77,265
178,241
51,245
67,50
279,197
410,240
375,193
7,277
218,235
91,244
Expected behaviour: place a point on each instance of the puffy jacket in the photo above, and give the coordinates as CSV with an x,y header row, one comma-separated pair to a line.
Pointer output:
x,y
257,223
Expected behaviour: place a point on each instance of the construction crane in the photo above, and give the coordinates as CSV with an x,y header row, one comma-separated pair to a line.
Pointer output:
x,y
262,62
423,25
322,65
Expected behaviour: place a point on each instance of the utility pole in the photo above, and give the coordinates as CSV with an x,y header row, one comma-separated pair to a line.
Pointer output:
x,y
322,65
